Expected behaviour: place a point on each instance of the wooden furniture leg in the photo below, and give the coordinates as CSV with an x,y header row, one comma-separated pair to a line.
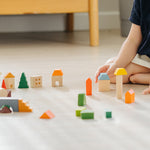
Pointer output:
x,y
69,22
93,22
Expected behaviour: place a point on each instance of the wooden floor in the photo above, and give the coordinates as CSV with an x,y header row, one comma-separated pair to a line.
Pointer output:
x,y
41,53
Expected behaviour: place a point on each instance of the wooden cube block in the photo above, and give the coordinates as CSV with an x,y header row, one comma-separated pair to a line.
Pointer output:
x,y
108,113
78,111
36,81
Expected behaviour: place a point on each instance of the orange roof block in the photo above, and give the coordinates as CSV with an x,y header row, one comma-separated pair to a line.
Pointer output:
x,y
9,75
130,97
57,73
47,115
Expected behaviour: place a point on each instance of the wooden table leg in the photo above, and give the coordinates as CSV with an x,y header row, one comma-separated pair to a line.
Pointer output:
x,y
94,22
70,22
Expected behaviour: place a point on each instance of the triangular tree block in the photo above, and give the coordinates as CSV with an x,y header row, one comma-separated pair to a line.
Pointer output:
x,y
23,81
47,115
3,85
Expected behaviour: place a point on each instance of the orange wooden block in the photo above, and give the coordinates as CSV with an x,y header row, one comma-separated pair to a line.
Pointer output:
x,y
47,115
130,96
88,86
23,107
57,72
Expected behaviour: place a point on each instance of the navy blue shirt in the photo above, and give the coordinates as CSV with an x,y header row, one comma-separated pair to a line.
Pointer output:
x,y
140,15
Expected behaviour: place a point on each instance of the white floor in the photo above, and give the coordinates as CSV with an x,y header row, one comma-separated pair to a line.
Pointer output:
x,y
41,53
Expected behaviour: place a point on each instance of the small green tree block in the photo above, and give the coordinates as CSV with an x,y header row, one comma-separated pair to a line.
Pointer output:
x,y
81,99
87,114
108,114
23,81
78,111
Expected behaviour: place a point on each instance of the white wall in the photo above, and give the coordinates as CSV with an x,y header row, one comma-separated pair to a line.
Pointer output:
x,y
108,19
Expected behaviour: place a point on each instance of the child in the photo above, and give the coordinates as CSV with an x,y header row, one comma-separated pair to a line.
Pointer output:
x,y
134,55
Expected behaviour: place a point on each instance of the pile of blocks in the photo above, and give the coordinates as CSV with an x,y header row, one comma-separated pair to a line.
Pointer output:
x,y
81,111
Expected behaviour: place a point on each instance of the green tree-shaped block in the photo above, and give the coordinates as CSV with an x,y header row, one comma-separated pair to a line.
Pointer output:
x,y
23,81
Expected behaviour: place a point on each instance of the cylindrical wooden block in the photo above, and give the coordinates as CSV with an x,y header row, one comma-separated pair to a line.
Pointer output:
x,y
119,86
94,22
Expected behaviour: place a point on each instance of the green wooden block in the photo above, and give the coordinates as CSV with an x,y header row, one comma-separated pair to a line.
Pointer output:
x,y
108,114
78,111
87,114
23,81
81,99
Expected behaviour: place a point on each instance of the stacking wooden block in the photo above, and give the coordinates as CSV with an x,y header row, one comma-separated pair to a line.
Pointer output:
x,y
119,72
47,115
108,114
88,87
9,81
57,76
130,96
81,99
87,114
103,82
36,81
78,111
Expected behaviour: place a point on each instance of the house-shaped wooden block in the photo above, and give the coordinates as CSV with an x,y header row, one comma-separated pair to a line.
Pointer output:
x,y
10,81
36,81
103,82
130,96
57,76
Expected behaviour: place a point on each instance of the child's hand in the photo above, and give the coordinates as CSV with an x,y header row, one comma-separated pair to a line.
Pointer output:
x,y
146,91
108,68
101,69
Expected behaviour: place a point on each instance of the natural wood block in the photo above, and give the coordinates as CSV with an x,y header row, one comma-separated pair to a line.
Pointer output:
x,y
58,79
9,81
104,85
36,81
3,92
119,86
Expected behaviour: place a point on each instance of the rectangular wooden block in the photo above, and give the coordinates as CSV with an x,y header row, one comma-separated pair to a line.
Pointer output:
x,y
87,114
81,99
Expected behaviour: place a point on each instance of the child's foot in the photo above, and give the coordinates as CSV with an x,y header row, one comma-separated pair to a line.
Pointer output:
x,y
146,91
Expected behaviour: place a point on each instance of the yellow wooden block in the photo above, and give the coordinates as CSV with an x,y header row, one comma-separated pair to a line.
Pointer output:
x,y
120,71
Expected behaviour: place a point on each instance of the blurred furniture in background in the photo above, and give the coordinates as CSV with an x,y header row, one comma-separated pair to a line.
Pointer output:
x,y
20,7
125,11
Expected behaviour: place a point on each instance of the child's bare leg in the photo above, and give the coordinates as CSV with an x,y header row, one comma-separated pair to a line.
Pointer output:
x,y
133,70
140,78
